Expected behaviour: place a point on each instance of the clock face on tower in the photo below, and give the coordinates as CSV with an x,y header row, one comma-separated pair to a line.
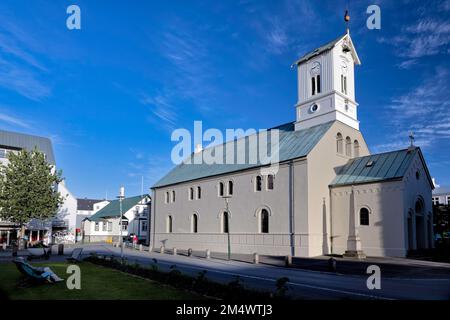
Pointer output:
x,y
344,68
315,69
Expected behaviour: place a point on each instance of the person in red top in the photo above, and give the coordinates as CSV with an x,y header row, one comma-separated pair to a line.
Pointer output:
x,y
135,239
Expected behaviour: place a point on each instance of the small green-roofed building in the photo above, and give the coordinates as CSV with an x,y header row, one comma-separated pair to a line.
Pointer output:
x,y
104,225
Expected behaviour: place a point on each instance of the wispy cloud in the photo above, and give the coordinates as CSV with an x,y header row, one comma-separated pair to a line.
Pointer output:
x,y
423,110
162,109
20,70
13,120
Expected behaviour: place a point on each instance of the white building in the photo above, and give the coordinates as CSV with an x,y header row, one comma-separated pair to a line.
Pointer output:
x,y
104,225
441,196
87,208
329,195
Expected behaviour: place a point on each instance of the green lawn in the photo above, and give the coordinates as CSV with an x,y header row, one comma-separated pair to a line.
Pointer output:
x,y
96,283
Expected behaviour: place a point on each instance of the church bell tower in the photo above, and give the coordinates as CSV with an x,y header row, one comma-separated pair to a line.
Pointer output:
x,y
326,85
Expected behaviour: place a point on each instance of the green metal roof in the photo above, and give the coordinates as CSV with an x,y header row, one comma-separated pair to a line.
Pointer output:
x,y
376,167
113,208
292,144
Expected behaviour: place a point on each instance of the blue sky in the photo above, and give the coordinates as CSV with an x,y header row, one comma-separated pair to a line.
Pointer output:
x,y
110,94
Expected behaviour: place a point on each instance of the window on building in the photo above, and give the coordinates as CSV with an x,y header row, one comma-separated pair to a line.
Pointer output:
x,y
225,227
270,182
318,83
194,223
191,193
221,187
339,143
169,224
315,78
356,148
448,200
258,183
173,195
348,147
364,217
264,221
436,200
124,225
109,226
199,192
2,153
96,226
343,84
313,86
144,226
167,197
230,188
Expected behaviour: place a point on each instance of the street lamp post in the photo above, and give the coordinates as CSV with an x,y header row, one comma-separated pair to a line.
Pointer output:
x,y
121,196
228,226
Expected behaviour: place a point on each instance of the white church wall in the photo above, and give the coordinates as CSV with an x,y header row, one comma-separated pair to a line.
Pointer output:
x,y
384,236
323,162
244,207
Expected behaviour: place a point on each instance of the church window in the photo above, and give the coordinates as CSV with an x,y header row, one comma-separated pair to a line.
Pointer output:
x,y
169,224
258,183
230,188
225,221
339,143
191,193
264,221
270,182
348,147
173,195
194,223
167,197
315,78
356,148
364,217
199,192
221,187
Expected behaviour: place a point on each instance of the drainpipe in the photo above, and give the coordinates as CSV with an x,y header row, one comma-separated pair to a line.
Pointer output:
x,y
331,221
150,214
291,208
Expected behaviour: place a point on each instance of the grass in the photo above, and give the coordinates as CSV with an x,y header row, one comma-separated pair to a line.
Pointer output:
x,y
97,283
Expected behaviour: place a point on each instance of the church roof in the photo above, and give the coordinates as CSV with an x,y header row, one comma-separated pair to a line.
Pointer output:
x,y
377,167
113,208
328,46
292,144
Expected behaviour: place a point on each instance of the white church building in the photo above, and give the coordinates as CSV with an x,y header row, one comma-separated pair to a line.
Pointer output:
x,y
330,195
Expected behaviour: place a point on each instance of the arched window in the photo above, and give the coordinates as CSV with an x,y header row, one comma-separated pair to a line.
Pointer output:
x,y
230,188
225,222
167,197
343,84
348,147
315,78
173,195
264,221
356,148
258,183
221,187
191,193
270,182
169,224
199,192
419,206
339,143
364,217
194,223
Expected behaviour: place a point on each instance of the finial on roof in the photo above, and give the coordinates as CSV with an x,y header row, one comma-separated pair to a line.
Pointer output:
x,y
347,19
411,138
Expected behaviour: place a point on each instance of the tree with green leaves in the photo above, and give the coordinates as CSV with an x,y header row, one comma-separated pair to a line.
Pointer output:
x,y
28,188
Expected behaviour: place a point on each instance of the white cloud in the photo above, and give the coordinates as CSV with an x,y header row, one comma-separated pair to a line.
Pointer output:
x,y
12,120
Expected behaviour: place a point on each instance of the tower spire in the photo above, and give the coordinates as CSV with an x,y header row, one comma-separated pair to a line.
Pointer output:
x,y
347,20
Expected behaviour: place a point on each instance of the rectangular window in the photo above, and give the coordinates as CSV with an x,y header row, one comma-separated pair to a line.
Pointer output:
x,y
124,225
104,225
2,153
96,226
144,226
318,83
109,226
345,85
313,86
448,200
270,182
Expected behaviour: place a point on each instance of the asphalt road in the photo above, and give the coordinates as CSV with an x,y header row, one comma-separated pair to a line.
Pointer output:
x,y
302,284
